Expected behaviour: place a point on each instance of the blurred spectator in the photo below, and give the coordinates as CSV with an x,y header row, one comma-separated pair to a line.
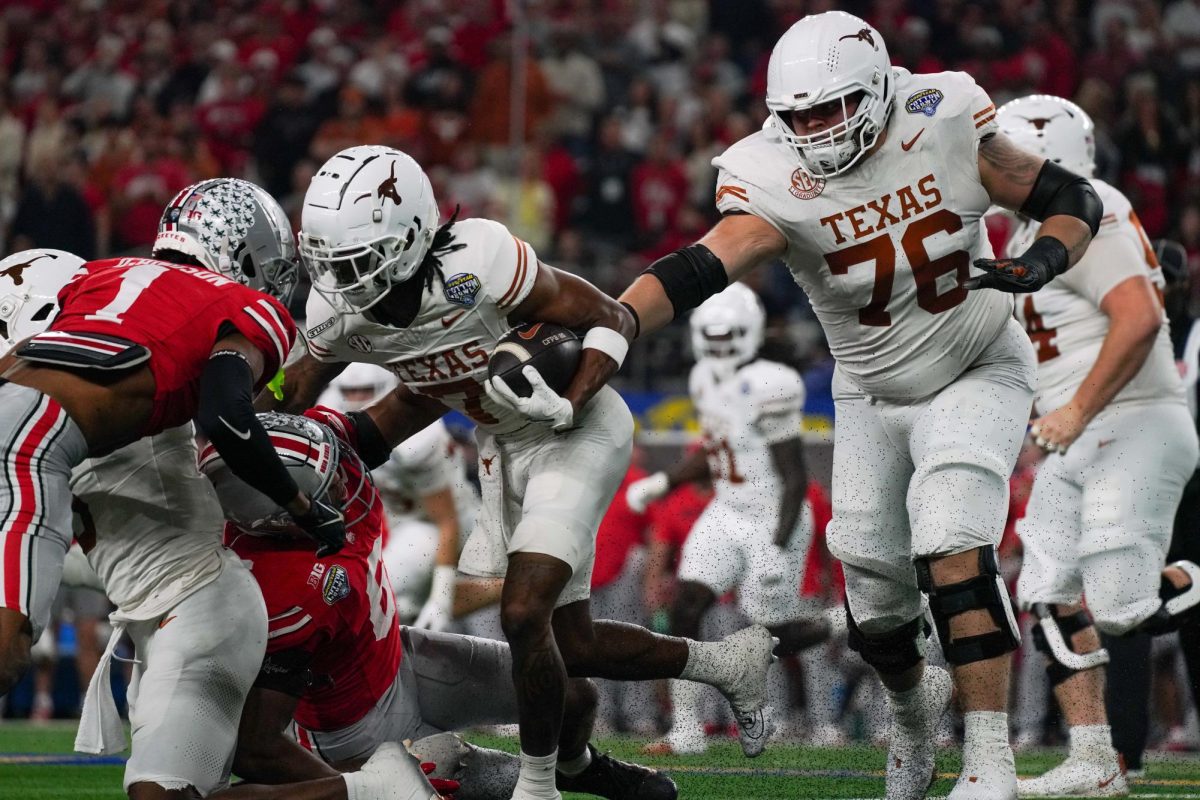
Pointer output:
x,y
492,101
1181,26
141,187
284,135
530,202
101,82
576,82
1151,152
355,123
51,212
609,212
659,186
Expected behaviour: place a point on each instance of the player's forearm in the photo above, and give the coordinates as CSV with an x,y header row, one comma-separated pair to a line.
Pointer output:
x,y
277,759
1121,357
694,467
439,507
791,505
1071,231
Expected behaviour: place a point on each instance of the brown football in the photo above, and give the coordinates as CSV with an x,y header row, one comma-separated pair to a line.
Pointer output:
x,y
552,349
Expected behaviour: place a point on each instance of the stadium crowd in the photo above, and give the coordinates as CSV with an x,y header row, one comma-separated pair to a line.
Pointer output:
x,y
107,109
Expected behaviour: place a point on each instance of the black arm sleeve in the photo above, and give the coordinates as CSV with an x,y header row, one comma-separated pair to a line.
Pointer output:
x,y
1060,191
689,276
226,417
372,448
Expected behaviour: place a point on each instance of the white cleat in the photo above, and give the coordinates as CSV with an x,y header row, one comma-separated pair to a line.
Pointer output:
x,y
1077,777
392,773
752,649
988,773
913,741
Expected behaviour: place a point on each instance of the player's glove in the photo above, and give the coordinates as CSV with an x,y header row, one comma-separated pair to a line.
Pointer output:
x,y
543,405
641,493
1045,259
443,786
438,611
325,524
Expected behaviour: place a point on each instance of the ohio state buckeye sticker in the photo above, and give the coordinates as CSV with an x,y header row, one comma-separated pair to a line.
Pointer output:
x,y
805,186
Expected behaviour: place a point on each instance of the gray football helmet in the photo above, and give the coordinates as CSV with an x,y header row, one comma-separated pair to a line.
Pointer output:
x,y
235,228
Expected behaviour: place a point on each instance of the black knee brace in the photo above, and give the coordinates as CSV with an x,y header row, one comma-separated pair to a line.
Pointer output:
x,y
985,591
893,652
1052,636
1179,606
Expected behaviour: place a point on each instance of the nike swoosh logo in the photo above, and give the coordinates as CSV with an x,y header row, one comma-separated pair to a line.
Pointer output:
x,y
163,624
1109,780
753,724
906,146
243,435
531,333
1104,443
448,321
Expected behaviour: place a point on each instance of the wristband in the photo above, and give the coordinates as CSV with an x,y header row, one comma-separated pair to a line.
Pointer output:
x,y
637,320
609,342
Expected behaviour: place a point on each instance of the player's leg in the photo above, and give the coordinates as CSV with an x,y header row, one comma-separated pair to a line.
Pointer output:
x,y
41,445
869,534
964,445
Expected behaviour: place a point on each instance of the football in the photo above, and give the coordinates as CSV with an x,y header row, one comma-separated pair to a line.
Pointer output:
x,y
552,349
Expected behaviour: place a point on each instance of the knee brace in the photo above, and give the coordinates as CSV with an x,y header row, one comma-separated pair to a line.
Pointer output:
x,y
985,591
1052,635
893,652
1179,606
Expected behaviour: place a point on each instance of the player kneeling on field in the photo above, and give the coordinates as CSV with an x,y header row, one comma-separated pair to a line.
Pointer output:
x,y
343,677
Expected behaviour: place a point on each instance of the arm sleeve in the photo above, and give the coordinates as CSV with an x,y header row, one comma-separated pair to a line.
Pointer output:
x,y
226,416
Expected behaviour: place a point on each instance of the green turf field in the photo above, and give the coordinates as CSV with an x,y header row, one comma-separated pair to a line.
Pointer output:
x,y
783,772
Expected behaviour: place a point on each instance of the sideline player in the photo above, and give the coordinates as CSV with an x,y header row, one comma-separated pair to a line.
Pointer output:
x,y
430,302
140,346
754,535
870,183
350,677
152,528
1113,418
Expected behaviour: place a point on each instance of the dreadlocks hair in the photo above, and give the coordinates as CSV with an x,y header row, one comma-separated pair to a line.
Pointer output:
x,y
443,244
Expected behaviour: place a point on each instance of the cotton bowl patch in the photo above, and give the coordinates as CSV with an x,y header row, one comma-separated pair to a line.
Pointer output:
x,y
337,584
461,289
924,102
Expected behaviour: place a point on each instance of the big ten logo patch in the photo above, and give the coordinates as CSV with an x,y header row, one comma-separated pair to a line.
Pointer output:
x,y
314,577
805,186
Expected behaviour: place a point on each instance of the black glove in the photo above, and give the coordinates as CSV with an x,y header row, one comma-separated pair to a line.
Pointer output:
x,y
325,524
1045,260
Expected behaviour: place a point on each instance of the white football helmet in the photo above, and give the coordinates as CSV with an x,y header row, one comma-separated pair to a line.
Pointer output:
x,y
235,228
313,456
369,218
727,328
360,385
1053,128
29,285
825,58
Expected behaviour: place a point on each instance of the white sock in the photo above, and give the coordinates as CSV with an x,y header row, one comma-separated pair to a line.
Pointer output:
x,y
537,776
1091,742
686,697
573,766
985,727
709,662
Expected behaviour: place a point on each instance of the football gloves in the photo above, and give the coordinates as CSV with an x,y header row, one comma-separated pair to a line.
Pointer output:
x,y
641,493
543,405
1009,275
325,524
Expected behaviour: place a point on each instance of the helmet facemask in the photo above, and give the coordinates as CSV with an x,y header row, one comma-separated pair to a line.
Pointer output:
x,y
836,149
355,277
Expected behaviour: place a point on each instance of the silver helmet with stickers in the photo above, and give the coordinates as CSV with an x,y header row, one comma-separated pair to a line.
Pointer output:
x,y
235,228
369,219
29,285
728,328
312,454
831,58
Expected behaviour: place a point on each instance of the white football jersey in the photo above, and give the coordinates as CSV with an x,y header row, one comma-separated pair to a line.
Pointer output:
x,y
426,462
741,416
1064,319
444,352
882,249
158,522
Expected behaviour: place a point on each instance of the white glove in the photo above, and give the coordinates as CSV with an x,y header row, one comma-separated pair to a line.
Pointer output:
x,y
642,493
438,611
543,405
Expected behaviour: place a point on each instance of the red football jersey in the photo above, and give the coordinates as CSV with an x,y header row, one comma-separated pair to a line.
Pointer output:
x,y
176,312
337,614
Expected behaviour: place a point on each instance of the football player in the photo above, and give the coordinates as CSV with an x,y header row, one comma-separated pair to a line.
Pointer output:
x,y
870,182
754,535
429,301
151,526
343,676
1113,416
139,346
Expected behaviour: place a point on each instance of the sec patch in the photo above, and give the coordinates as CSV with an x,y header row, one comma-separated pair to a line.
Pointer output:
x,y
924,102
461,289
337,584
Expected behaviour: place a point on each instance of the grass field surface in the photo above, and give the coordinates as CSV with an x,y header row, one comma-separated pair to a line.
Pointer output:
x,y
37,763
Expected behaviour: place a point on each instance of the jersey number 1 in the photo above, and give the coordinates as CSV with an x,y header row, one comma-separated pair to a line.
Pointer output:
x,y
135,281
925,272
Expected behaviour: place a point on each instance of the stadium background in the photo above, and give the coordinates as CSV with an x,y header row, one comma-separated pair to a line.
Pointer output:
x,y
586,126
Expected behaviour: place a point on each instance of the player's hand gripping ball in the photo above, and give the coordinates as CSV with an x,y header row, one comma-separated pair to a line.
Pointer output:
x,y
550,349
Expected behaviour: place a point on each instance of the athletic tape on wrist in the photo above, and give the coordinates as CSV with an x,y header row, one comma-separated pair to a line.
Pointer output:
x,y
609,342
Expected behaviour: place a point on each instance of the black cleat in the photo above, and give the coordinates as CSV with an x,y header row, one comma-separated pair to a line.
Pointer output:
x,y
617,780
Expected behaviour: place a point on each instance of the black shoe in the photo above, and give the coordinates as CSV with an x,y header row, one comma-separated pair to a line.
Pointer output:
x,y
616,780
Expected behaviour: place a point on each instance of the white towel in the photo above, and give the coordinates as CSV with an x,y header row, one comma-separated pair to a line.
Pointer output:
x,y
100,728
